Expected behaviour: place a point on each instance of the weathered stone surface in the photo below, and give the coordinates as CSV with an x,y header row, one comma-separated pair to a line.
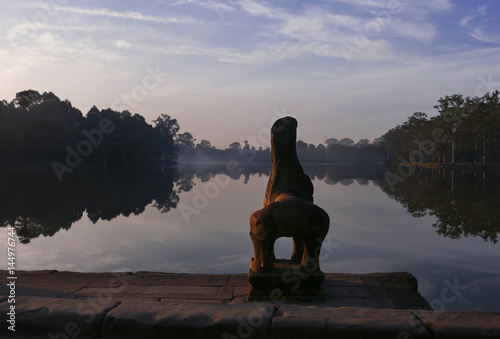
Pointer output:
x,y
188,320
238,280
287,175
156,290
218,313
459,325
298,328
36,315
364,323
359,302
347,291
334,280
72,277
353,322
287,277
169,279
226,290
46,289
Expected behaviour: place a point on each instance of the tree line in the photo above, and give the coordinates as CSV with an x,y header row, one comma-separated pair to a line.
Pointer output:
x,y
467,130
333,151
43,129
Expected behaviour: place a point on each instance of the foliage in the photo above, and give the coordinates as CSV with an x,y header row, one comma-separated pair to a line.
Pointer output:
x,y
467,130
42,129
464,203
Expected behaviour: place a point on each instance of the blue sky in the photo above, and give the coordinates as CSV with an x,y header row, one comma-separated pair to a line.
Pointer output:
x,y
227,68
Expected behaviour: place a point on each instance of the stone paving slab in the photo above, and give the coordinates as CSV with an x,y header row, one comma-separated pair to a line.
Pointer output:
x,y
158,305
296,321
187,320
458,325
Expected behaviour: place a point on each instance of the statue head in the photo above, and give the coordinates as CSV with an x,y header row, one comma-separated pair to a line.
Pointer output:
x,y
283,138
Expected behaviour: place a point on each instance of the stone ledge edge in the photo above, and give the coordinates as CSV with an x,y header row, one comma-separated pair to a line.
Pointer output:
x,y
260,319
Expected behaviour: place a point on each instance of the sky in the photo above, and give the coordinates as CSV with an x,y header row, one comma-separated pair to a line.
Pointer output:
x,y
226,69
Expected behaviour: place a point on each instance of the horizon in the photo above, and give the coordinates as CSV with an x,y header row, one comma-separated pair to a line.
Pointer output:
x,y
343,69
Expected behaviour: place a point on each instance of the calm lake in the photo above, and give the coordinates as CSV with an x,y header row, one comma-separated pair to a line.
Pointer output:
x,y
441,226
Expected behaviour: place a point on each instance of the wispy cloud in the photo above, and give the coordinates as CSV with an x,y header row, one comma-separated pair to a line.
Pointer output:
x,y
114,14
210,4
481,11
399,5
476,25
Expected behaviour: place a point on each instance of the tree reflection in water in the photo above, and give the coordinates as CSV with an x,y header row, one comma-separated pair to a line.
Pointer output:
x,y
464,203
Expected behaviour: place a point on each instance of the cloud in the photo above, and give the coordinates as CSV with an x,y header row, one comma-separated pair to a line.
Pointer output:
x,y
323,32
476,25
115,14
210,4
122,44
398,5
481,11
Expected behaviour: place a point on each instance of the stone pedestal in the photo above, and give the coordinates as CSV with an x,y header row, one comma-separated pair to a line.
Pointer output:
x,y
286,282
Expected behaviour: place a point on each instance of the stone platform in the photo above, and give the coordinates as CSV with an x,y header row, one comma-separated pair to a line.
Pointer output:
x,y
52,304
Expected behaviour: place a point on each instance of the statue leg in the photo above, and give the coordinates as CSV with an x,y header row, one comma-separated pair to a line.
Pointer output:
x,y
264,255
298,249
310,259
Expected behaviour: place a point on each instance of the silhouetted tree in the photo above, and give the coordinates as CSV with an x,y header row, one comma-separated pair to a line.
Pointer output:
x,y
346,142
166,128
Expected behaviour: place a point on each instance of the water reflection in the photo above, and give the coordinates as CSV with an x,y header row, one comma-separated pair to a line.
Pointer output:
x,y
464,203
37,204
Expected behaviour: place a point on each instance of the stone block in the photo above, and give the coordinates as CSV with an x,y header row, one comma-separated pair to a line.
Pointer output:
x,y
226,290
298,328
57,316
407,298
289,279
403,280
460,325
188,320
333,280
240,291
47,289
179,279
349,322
346,292
359,302
238,280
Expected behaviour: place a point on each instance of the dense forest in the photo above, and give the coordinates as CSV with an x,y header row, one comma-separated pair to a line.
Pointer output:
x,y
467,130
42,129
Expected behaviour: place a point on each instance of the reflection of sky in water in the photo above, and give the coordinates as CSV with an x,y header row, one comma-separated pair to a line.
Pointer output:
x,y
369,232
